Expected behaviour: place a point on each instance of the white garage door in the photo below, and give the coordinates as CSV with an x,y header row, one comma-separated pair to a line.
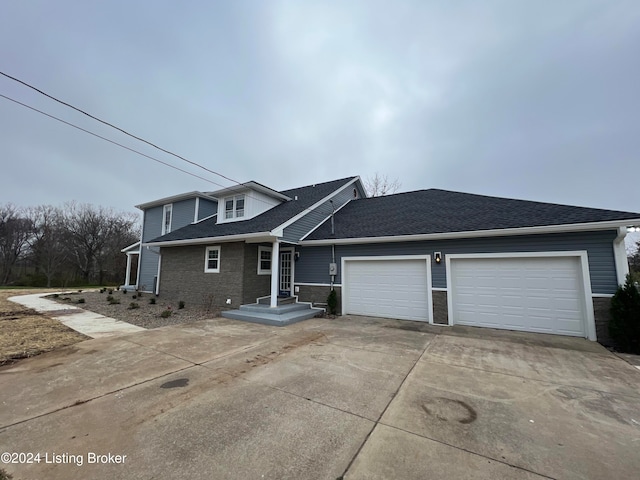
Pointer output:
x,y
387,288
542,294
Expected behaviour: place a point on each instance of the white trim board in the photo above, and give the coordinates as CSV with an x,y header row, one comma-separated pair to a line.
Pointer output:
x,y
317,284
565,228
590,327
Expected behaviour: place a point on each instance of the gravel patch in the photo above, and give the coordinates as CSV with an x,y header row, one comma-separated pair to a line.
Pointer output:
x,y
146,315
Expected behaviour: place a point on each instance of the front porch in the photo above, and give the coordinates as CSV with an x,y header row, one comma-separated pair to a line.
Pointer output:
x,y
287,311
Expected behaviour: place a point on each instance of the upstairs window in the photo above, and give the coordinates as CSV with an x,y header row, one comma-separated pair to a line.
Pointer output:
x,y
264,260
212,260
166,218
234,207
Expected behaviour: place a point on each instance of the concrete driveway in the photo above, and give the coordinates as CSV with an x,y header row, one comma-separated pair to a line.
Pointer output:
x,y
355,397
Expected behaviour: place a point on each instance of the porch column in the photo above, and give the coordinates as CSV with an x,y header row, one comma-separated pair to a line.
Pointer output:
x,y
127,279
275,273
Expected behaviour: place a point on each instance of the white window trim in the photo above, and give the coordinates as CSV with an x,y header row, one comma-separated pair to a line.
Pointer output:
x,y
260,250
234,211
206,259
169,207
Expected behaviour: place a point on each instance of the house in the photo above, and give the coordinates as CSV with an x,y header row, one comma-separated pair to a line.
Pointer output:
x,y
431,255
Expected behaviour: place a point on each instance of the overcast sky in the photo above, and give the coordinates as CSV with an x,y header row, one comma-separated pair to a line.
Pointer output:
x,y
527,99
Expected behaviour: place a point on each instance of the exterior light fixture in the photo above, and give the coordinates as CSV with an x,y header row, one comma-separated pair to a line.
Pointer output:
x,y
437,256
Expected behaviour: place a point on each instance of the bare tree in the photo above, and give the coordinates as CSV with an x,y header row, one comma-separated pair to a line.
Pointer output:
x,y
380,185
15,231
48,248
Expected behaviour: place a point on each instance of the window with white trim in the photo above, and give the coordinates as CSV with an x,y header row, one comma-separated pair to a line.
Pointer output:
x,y
166,218
264,260
212,260
234,207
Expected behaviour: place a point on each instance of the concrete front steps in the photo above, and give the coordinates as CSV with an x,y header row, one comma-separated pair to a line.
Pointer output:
x,y
283,314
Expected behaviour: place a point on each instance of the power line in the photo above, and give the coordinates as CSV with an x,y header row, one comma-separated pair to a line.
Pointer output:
x,y
117,128
232,188
109,140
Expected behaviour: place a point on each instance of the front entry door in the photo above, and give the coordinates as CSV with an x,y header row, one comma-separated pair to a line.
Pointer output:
x,y
285,273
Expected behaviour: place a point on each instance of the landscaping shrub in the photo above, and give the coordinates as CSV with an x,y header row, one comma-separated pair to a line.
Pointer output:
x,y
134,296
81,300
114,301
133,306
109,298
332,302
152,301
124,291
624,325
166,313
180,305
110,291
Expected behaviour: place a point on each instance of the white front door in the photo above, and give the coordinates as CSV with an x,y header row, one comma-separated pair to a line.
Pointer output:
x,y
286,272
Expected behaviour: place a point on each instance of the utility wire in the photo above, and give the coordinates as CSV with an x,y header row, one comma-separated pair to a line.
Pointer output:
x,y
117,128
110,141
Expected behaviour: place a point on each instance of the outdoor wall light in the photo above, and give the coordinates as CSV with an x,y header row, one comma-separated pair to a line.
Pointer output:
x,y
296,256
437,256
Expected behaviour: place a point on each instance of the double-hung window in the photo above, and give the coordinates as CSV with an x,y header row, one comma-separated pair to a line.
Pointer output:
x,y
234,207
166,218
212,260
264,260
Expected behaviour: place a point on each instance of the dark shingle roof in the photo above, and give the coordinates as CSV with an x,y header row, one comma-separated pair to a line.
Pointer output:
x,y
264,222
441,211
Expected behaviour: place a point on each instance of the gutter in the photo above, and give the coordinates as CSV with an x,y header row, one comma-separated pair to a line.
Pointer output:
x,y
565,228
268,236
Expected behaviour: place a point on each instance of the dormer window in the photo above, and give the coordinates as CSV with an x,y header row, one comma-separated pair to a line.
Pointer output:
x,y
166,218
234,207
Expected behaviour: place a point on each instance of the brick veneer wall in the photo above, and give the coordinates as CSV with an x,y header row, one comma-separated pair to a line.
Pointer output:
x,y
602,315
440,307
254,285
318,294
183,276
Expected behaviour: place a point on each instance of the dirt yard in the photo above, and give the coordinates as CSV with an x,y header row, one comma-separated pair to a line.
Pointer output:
x,y
25,332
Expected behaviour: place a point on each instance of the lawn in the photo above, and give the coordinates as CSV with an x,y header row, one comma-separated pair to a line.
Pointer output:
x,y
25,332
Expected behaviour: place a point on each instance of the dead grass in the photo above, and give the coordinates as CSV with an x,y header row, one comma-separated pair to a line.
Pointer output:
x,y
25,332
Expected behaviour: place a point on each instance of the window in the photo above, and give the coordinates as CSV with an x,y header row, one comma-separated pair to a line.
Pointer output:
x,y
166,218
212,260
234,207
264,260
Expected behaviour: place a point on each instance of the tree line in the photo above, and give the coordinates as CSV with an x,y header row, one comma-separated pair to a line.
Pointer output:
x,y
76,244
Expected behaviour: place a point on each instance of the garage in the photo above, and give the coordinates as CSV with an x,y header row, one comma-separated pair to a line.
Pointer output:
x,y
544,294
396,287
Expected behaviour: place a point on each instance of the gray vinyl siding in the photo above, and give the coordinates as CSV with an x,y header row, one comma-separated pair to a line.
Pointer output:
x,y
300,228
313,264
207,208
148,268
182,213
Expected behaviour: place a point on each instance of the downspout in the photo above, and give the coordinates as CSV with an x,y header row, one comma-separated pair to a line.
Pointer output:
x,y
157,292
333,247
620,256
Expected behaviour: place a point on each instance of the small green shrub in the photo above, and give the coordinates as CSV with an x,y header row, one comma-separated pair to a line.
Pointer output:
x,y
134,296
624,325
109,298
110,291
102,290
81,300
332,302
133,306
166,313
55,295
114,301
124,291
180,305
152,301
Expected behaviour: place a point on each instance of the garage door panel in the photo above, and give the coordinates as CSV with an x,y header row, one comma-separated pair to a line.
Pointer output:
x,y
387,288
542,294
